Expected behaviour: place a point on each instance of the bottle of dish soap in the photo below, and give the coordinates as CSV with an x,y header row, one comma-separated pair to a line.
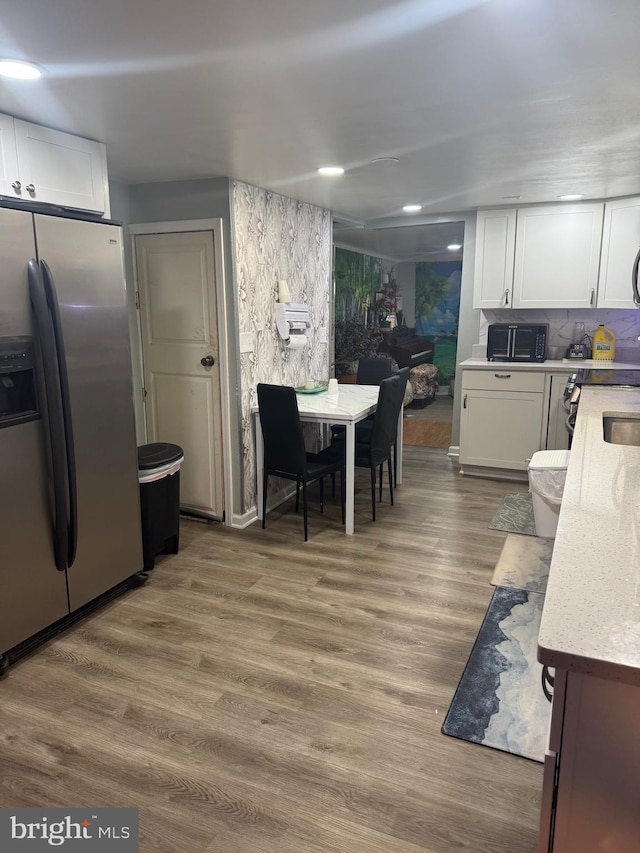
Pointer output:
x,y
604,344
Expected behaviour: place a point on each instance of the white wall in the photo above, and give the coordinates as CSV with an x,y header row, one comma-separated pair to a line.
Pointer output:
x,y
121,211
469,322
406,281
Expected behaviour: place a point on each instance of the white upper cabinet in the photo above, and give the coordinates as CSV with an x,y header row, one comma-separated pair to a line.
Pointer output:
x,y
557,256
620,245
49,166
495,246
8,157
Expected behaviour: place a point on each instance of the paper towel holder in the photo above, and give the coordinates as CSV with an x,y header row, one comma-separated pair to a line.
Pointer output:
x,y
292,322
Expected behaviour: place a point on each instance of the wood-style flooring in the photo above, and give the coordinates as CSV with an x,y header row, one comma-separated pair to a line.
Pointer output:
x,y
265,695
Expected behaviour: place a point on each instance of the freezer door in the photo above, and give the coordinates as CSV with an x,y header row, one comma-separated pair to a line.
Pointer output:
x,y
85,259
33,594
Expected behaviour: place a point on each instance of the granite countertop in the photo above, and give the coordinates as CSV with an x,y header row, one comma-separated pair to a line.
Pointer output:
x,y
591,617
550,364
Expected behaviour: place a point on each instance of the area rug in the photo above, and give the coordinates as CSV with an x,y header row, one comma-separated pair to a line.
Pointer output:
x,y
524,563
515,514
499,701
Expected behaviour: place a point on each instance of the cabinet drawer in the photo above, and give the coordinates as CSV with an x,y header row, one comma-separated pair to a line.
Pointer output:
x,y
501,378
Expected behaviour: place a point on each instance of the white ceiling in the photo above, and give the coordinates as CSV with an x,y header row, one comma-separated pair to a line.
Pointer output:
x,y
409,243
479,99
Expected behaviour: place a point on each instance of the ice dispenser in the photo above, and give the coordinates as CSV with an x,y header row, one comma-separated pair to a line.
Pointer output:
x,y
18,395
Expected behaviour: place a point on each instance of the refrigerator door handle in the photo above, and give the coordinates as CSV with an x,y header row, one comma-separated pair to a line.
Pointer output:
x,y
65,399
54,419
634,279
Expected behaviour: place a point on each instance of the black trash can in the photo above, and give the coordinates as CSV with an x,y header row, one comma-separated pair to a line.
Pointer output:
x,y
159,478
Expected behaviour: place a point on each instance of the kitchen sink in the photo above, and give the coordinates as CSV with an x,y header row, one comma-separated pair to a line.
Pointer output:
x,y
621,429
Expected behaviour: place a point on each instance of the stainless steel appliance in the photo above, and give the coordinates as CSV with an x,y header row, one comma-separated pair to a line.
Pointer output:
x,y
571,395
70,512
517,342
594,377
582,344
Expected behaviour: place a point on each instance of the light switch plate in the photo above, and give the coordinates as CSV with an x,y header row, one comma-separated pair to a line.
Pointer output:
x,y
323,335
246,341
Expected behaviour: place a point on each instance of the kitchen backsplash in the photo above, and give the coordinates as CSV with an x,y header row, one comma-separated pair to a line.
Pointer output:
x,y
624,324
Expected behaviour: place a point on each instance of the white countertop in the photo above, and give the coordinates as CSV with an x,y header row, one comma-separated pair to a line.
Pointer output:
x,y
550,364
591,617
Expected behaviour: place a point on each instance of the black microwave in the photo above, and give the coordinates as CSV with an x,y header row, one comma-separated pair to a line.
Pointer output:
x,y
517,342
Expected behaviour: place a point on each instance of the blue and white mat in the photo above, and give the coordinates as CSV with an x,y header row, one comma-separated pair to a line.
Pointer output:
x,y
499,701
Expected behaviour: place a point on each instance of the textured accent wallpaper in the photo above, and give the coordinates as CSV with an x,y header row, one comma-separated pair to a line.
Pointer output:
x,y
275,238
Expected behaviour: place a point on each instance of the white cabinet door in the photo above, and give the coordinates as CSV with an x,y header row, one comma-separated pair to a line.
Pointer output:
x,y
61,169
620,244
557,256
495,246
500,429
9,181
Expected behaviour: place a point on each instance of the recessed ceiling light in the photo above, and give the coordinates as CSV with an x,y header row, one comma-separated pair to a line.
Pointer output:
x,y
570,197
19,70
381,161
412,208
331,170
453,247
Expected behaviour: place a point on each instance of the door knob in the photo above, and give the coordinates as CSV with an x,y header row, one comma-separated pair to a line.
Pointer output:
x,y
207,361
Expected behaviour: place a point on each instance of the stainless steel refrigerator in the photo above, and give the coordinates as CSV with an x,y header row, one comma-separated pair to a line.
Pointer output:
x,y
69,498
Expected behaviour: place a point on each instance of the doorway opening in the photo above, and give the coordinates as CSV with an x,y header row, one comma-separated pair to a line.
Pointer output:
x,y
414,273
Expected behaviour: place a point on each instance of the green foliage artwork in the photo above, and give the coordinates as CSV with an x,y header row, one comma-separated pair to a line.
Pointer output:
x,y
357,278
431,288
437,311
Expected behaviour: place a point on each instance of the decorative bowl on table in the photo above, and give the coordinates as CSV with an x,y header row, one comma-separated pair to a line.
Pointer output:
x,y
318,386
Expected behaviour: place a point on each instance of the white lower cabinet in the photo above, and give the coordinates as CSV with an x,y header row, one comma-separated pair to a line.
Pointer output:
x,y
502,418
591,782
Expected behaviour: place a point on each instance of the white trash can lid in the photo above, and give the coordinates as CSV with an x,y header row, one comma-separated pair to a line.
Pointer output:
x,y
550,459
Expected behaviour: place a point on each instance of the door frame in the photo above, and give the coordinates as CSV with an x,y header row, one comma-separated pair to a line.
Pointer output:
x,y
217,227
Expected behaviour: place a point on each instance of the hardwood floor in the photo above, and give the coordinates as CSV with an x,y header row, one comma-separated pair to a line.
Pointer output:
x,y
265,695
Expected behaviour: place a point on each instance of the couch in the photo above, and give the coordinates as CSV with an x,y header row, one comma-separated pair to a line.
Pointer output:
x,y
406,347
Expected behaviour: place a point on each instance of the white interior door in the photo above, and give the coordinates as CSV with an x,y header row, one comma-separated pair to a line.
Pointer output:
x,y
176,282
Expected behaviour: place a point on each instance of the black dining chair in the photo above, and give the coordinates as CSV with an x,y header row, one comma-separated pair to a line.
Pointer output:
x,y
374,446
363,429
403,373
371,371
285,454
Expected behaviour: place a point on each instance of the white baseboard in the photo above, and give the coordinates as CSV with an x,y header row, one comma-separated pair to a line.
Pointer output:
x,y
242,520
494,473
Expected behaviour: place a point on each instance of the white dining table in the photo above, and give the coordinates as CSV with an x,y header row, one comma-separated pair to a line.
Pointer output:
x,y
351,404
